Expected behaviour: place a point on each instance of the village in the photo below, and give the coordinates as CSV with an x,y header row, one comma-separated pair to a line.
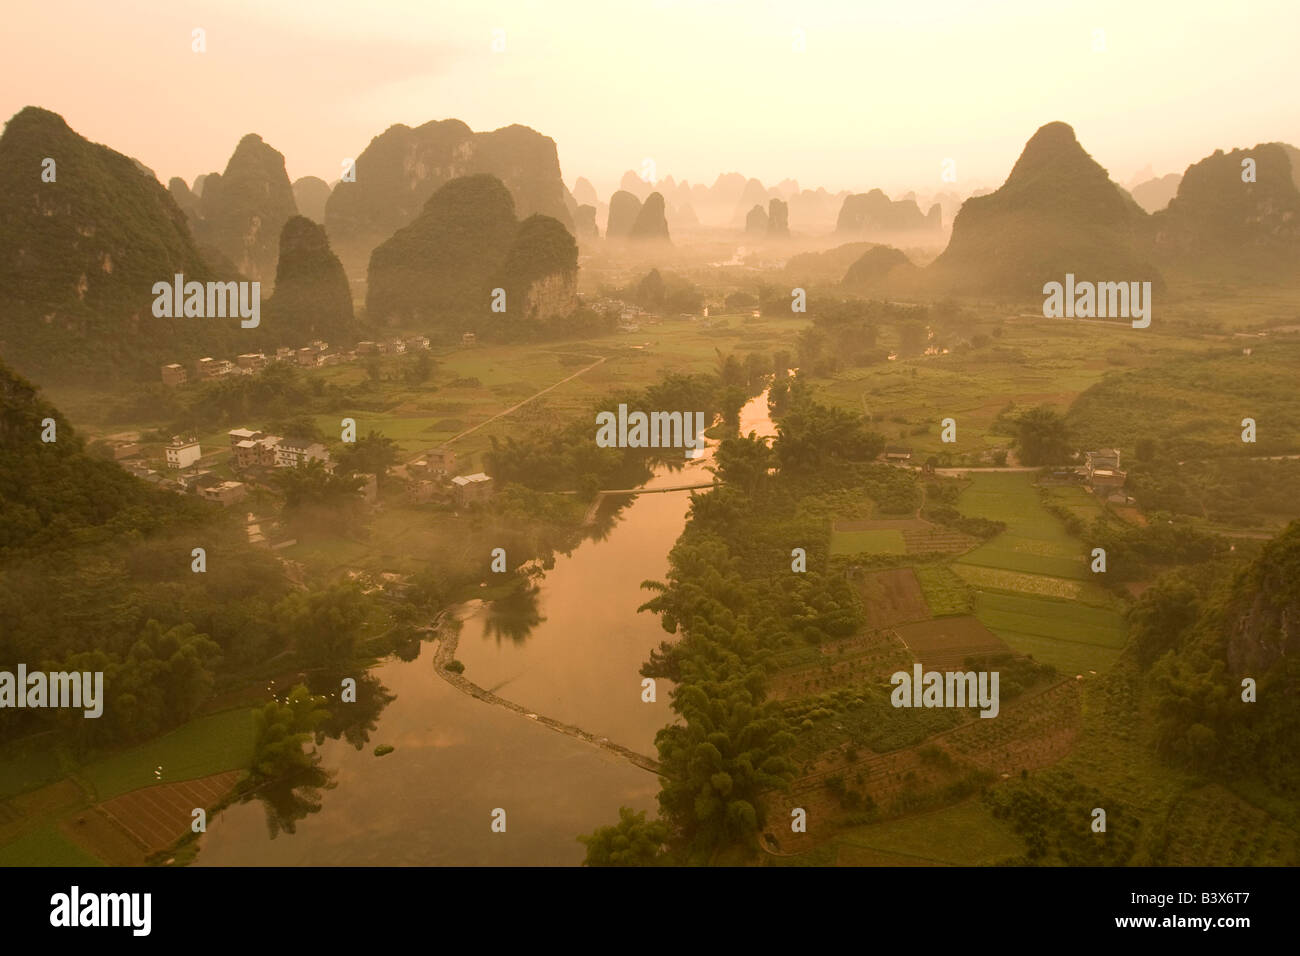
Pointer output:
x,y
229,474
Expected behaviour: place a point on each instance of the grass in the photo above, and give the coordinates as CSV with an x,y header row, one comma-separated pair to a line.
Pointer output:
x,y
1072,637
204,746
45,846
867,542
29,764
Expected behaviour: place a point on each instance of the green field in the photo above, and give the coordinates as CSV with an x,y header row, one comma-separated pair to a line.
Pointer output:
x,y
1034,542
45,846
1034,361
199,748
1074,638
867,542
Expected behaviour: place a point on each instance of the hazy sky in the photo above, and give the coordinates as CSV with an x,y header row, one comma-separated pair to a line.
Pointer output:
x,y
881,94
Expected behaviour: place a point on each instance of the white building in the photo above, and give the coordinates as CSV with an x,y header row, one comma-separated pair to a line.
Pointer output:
x,y
182,452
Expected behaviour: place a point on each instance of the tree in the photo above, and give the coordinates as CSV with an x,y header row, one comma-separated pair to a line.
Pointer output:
x,y
323,626
372,455
314,498
1043,437
632,842
717,764
420,369
743,463
281,730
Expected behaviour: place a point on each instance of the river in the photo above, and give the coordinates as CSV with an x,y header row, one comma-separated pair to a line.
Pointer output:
x,y
575,656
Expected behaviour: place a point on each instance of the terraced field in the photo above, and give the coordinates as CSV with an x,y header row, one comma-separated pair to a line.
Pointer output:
x,y
853,660
1031,732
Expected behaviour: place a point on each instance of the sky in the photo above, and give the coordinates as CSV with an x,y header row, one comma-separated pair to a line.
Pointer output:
x,y
847,95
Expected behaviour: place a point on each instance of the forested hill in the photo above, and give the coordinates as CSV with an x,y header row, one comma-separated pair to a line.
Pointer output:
x,y
84,235
1203,632
54,495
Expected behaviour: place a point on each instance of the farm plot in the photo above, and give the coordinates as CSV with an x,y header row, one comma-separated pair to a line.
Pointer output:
x,y
1030,733
867,542
1035,541
900,535
156,817
1074,638
945,592
847,662
1002,580
892,597
945,643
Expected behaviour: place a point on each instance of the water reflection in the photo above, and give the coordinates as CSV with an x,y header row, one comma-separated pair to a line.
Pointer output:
x,y
288,801
513,617
353,722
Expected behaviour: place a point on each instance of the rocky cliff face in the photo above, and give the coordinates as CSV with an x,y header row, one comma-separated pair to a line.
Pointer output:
x,y
1216,217
584,193
1264,617
1155,194
651,222
585,223
552,296
441,270
311,193
874,213
778,219
242,211
623,211
1057,212
403,167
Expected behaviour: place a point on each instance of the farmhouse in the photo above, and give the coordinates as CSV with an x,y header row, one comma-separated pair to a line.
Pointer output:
x,y
292,452
210,368
174,374
472,488
224,493
442,461
1102,472
251,360
897,453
